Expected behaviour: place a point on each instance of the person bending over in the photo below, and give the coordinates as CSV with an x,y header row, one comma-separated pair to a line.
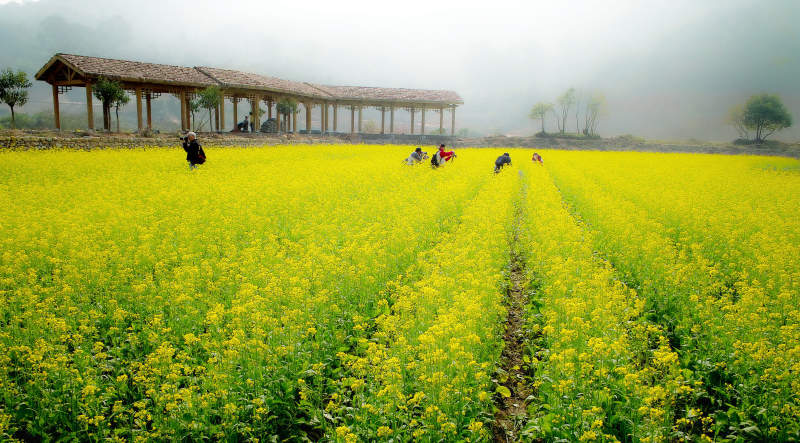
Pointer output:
x,y
501,161
417,156
194,152
442,157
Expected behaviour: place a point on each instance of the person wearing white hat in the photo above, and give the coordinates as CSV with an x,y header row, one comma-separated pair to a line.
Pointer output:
x,y
194,152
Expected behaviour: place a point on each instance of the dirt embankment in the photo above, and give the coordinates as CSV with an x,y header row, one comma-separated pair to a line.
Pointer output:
x,y
28,139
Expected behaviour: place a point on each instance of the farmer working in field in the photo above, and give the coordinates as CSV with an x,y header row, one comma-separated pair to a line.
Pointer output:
x,y
501,161
441,157
537,158
194,152
416,156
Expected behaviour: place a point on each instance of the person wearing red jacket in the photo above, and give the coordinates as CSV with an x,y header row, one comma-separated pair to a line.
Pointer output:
x,y
441,157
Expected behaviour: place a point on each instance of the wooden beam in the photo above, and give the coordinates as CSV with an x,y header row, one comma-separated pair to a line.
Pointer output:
x,y
149,108
422,128
89,110
391,119
56,114
412,120
139,124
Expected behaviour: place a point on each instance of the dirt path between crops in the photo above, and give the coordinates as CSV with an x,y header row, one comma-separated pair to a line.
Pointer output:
x,y
512,410
512,402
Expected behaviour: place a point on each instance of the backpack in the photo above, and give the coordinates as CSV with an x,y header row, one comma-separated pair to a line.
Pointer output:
x,y
435,160
201,156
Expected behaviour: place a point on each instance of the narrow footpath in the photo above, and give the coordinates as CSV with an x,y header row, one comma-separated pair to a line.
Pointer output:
x,y
513,379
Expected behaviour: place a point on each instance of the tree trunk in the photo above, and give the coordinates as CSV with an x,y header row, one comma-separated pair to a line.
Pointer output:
x,y
116,111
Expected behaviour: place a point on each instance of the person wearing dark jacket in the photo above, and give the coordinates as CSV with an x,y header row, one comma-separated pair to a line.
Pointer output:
x,y
501,161
194,152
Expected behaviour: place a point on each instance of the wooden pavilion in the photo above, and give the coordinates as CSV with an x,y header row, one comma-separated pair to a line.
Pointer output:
x,y
149,80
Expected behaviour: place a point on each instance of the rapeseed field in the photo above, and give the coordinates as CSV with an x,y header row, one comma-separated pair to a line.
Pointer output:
x,y
331,292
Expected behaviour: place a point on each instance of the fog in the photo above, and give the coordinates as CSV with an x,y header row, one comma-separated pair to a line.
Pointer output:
x,y
668,69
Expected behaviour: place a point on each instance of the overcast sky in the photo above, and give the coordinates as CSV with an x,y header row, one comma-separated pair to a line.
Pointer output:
x,y
669,69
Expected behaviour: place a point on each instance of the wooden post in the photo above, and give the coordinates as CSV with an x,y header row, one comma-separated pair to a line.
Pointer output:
x,y
322,118
183,110
278,122
235,101
149,108
89,111
391,119
56,115
326,117
359,119
308,117
352,119
222,113
335,107
441,121
422,128
453,124
188,113
139,124
294,121
383,119
269,109
412,120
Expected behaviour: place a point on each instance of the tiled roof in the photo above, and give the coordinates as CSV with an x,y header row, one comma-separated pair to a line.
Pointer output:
x,y
133,71
130,70
238,79
391,94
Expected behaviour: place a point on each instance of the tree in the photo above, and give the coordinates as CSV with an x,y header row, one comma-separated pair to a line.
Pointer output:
x,y
765,114
565,101
13,90
194,106
595,106
735,118
110,93
209,98
286,107
539,111
120,100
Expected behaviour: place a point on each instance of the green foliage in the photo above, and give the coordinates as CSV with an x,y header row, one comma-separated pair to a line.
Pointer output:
x,y
539,112
286,106
111,94
13,90
765,114
209,98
